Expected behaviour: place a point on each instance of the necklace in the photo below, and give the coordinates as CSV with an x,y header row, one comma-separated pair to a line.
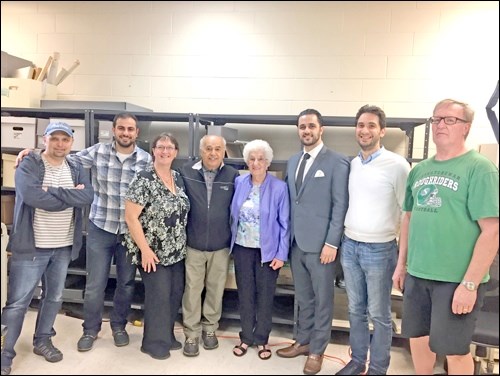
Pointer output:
x,y
167,180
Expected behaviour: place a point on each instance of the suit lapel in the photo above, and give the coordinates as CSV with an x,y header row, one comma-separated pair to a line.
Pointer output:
x,y
314,167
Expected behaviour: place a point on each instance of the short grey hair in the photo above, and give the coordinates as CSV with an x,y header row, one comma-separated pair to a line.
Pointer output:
x,y
258,145
204,139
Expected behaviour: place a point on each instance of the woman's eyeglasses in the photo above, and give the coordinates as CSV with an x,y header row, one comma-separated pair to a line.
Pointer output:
x,y
163,148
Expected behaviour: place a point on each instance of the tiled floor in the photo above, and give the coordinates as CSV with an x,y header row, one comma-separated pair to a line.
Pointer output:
x,y
105,358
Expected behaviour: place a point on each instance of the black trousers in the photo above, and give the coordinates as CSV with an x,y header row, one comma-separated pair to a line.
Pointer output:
x,y
162,301
256,283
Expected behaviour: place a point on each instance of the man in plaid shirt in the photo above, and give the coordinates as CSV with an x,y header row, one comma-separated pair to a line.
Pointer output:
x,y
113,165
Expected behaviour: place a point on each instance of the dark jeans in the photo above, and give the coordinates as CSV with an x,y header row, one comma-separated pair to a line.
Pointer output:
x,y
50,265
162,302
256,283
102,247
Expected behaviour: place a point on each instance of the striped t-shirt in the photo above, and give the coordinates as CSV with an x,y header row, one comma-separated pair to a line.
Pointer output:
x,y
55,229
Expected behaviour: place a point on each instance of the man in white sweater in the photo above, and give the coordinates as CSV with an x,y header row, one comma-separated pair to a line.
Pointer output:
x,y
369,248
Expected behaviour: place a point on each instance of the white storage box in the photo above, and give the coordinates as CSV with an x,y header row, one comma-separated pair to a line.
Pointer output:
x,y
18,132
23,92
78,127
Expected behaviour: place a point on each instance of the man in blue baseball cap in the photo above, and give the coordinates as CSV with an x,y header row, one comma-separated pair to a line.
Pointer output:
x,y
52,191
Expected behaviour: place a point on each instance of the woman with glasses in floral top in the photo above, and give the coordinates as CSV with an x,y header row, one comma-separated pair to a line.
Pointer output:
x,y
156,209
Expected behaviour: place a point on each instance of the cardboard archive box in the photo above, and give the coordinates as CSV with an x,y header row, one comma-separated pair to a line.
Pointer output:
x,y
8,202
8,163
18,132
26,93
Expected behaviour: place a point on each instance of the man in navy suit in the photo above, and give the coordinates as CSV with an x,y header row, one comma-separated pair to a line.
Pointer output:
x,y
318,207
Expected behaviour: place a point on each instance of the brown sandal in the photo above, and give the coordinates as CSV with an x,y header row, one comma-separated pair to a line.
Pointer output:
x,y
240,348
264,353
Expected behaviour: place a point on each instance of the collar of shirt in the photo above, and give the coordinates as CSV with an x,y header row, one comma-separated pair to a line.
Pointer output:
x,y
313,153
371,157
205,170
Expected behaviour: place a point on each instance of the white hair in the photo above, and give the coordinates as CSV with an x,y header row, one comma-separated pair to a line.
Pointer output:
x,y
258,145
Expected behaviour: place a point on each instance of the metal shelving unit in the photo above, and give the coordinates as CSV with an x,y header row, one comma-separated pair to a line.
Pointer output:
x,y
284,300
407,125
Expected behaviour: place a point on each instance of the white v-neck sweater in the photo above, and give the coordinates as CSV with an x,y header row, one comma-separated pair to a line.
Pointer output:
x,y
376,195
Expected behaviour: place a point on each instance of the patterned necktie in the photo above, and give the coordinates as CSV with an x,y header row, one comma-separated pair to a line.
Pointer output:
x,y
300,174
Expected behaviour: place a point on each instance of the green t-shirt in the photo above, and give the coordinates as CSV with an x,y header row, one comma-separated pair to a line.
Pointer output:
x,y
446,198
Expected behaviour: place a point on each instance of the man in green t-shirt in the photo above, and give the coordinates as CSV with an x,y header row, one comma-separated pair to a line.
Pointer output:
x,y
449,238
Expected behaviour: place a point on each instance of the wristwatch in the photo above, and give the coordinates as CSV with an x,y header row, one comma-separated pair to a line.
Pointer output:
x,y
469,285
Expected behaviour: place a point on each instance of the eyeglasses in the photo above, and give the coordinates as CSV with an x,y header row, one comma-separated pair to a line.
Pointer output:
x,y
163,148
448,120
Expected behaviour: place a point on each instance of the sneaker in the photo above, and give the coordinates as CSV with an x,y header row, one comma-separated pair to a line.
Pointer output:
x,y
121,337
191,347
86,342
352,368
210,341
48,351
6,370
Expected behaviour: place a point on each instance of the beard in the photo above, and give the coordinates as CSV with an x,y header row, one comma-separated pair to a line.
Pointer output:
x,y
311,140
126,144
368,145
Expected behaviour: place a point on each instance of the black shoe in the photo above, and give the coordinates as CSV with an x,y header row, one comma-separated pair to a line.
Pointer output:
x,y
155,355
340,283
48,351
6,371
176,345
120,336
352,368
86,342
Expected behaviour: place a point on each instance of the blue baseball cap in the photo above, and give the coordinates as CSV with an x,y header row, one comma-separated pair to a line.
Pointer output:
x,y
58,126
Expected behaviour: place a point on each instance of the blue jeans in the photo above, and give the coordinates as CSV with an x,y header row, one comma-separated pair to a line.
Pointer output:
x,y
48,265
102,247
368,269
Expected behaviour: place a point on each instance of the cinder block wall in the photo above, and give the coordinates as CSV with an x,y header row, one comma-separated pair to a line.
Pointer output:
x,y
269,57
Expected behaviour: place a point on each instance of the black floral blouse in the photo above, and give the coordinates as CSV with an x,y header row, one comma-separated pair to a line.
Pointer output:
x,y
163,218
